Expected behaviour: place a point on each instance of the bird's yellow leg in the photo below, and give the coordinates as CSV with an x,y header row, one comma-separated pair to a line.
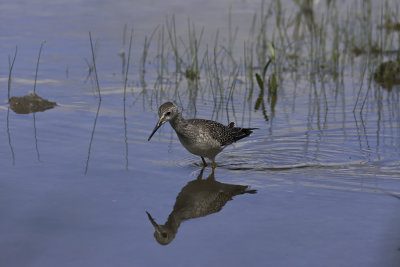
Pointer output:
x,y
213,165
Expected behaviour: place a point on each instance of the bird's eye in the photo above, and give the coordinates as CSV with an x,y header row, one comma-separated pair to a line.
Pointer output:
x,y
164,235
168,113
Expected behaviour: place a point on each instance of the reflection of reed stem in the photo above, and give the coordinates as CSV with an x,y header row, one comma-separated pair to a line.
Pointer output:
x,y
366,94
36,140
9,136
91,137
10,68
361,86
126,139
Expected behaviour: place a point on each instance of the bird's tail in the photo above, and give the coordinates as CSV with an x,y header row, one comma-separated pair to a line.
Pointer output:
x,y
242,132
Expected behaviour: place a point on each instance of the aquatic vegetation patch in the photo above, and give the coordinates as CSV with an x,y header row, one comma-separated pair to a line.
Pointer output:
x,y
388,74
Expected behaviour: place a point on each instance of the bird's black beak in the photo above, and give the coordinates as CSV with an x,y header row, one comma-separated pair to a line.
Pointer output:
x,y
158,125
153,222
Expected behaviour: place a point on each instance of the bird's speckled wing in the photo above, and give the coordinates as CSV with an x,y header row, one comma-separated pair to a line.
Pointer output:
x,y
225,135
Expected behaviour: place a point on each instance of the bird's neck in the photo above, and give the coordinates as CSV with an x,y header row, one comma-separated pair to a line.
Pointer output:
x,y
173,223
178,123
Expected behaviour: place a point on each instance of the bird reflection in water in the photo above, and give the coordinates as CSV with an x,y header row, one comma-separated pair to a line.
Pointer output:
x,y
198,198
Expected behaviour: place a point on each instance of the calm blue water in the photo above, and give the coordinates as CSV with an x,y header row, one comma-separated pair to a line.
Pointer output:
x,y
77,180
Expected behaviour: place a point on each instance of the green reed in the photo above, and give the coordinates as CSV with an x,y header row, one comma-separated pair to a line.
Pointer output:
x,y
94,66
37,66
128,64
143,60
315,44
10,69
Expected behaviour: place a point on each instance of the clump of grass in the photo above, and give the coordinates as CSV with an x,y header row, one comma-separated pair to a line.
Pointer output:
x,y
390,26
192,49
173,41
314,44
261,84
387,73
271,83
146,46
191,74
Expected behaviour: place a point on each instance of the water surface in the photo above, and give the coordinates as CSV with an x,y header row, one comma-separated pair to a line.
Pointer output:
x,y
78,179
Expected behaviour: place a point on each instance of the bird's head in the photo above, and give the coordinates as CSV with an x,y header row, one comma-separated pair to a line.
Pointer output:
x,y
162,233
166,112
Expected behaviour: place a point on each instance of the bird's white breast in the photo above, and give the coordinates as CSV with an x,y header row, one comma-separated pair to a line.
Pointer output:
x,y
202,145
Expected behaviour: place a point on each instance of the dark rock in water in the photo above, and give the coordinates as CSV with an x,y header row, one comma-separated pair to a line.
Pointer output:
x,y
30,103
388,74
